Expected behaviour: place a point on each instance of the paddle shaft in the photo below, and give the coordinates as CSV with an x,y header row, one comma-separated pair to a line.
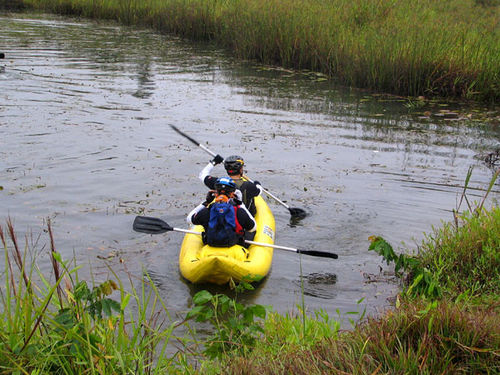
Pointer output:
x,y
185,231
153,225
193,140
214,154
271,195
299,251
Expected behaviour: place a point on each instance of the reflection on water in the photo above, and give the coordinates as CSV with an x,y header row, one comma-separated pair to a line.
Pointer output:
x,y
146,84
84,115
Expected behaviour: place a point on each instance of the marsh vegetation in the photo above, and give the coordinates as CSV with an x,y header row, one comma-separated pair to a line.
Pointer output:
x,y
424,48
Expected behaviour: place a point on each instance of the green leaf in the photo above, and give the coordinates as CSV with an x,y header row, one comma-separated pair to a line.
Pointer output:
x,y
224,308
248,315
195,311
207,315
65,318
82,291
202,297
106,306
259,311
383,248
125,302
224,300
57,256
248,286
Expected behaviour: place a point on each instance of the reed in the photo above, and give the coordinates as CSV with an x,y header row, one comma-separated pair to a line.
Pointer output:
x,y
433,48
60,325
466,259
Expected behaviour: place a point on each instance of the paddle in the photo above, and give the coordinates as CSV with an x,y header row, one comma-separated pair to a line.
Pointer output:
x,y
296,212
299,213
153,225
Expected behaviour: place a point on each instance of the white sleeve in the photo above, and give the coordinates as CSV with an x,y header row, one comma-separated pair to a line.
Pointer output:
x,y
197,209
261,189
242,206
205,172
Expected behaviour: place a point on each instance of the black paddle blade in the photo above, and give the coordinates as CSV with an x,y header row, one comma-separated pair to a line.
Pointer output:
x,y
316,253
297,213
151,225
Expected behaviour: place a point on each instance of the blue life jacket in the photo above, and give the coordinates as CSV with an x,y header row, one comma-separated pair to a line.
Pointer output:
x,y
222,225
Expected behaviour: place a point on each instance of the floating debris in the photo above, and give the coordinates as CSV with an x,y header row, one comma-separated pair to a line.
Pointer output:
x,y
493,158
322,278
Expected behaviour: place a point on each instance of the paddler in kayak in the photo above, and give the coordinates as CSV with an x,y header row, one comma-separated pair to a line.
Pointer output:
x,y
225,219
234,168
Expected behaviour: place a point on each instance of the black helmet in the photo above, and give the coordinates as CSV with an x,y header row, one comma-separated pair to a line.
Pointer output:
x,y
225,184
233,164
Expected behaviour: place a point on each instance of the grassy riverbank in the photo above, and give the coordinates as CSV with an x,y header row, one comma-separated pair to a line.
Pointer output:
x,y
432,48
61,325
445,320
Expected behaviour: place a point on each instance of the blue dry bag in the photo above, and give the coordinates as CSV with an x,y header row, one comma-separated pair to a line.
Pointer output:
x,y
221,231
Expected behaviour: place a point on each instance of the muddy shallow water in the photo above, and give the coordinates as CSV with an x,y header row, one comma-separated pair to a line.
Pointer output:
x,y
85,110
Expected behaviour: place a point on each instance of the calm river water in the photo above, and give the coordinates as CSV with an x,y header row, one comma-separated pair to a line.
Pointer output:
x,y
85,110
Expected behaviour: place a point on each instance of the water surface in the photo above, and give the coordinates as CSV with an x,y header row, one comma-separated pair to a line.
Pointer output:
x,y
85,109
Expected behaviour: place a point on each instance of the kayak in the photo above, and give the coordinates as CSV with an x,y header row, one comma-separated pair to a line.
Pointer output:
x,y
201,263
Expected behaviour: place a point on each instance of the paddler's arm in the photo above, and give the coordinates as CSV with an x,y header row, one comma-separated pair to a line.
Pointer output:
x,y
258,186
205,177
205,172
246,219
191,218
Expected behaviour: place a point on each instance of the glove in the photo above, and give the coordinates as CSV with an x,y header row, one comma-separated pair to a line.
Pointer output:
x,y
238,197
209,198
258,185
217,159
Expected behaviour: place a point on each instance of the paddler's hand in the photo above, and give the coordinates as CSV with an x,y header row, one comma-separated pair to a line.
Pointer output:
x,y
217,159
209,198
258,185
238,197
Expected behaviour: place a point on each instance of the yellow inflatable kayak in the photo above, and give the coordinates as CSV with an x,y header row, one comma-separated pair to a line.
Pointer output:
x,y
201,263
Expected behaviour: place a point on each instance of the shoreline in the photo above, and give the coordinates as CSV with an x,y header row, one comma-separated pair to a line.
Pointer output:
x,y
367,46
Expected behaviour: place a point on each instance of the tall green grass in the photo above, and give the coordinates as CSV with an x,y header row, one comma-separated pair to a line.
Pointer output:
x,y
433,48
60,325
467,258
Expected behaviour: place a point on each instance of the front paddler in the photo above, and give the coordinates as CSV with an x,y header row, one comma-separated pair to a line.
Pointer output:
x,y
234,168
